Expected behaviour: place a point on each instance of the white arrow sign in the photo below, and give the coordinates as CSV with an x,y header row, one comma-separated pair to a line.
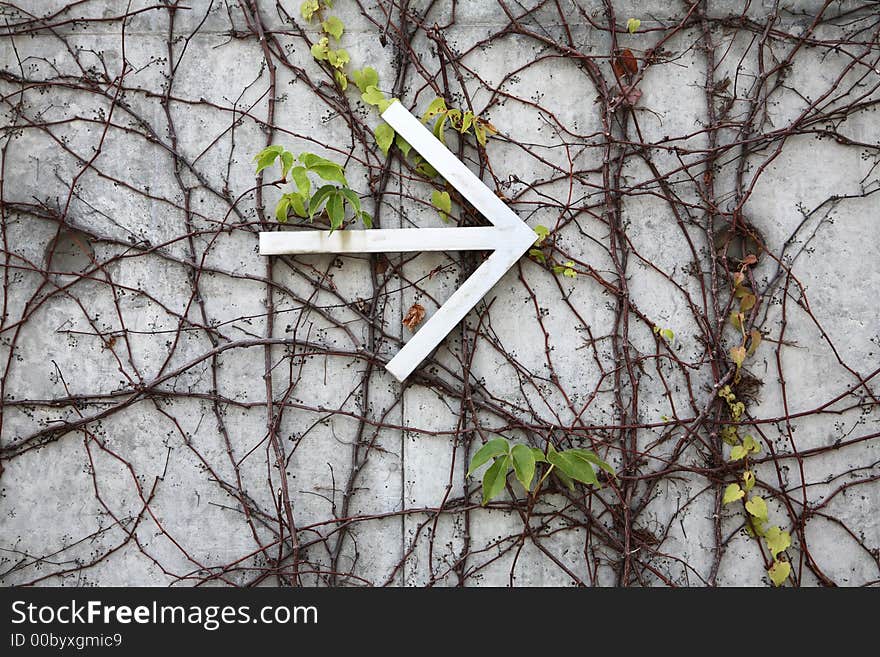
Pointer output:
x,y
508,238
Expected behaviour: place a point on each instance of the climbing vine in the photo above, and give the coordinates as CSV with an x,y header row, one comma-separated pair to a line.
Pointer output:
x,y
682,371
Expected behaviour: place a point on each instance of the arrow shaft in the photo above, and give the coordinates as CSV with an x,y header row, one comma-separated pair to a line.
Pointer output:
x,y
384,240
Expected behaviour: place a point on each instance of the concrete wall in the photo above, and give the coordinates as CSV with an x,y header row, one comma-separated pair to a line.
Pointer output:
x,y
135,418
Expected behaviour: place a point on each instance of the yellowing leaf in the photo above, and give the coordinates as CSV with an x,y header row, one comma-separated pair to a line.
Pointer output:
x,y
748,480
321,50
366,77
751,444
633,25
372,96
338,58
341,80
308,9
738,355
777,539
747,302
732,493
542,232
738,452
437,106
757,507
779,572
756,337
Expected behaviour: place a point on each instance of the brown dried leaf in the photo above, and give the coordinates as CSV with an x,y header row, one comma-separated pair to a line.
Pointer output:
x,y
625,64
414,316
488,127
382,264
631,95
750,259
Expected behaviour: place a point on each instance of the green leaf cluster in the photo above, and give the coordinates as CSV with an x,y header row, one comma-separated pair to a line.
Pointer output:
x,y
463,122
776,538
566,269
329,197
570,466
666,333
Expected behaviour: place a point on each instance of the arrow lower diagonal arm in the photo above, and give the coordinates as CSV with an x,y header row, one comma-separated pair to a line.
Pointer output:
x,y
508,237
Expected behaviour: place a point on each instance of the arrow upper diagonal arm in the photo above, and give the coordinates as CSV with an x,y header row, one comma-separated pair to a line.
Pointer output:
x,y
450,167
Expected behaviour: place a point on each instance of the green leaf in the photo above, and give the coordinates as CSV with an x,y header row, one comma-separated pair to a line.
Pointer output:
x,y
336,211
384,135
303,184
334,27
281,209
738,452
668,334
338,58
267,156
490,450
286,163
732,493
757,507
426,169
439,127
442,202
575,467
495,477
538,255
297,202
538,455
523,465
748,480
352,199
402,144
366,77
332,173
633,25
777,540
567,481
308,8
319,198
779,572
591,457
372,96
437,106
366,218
310,159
